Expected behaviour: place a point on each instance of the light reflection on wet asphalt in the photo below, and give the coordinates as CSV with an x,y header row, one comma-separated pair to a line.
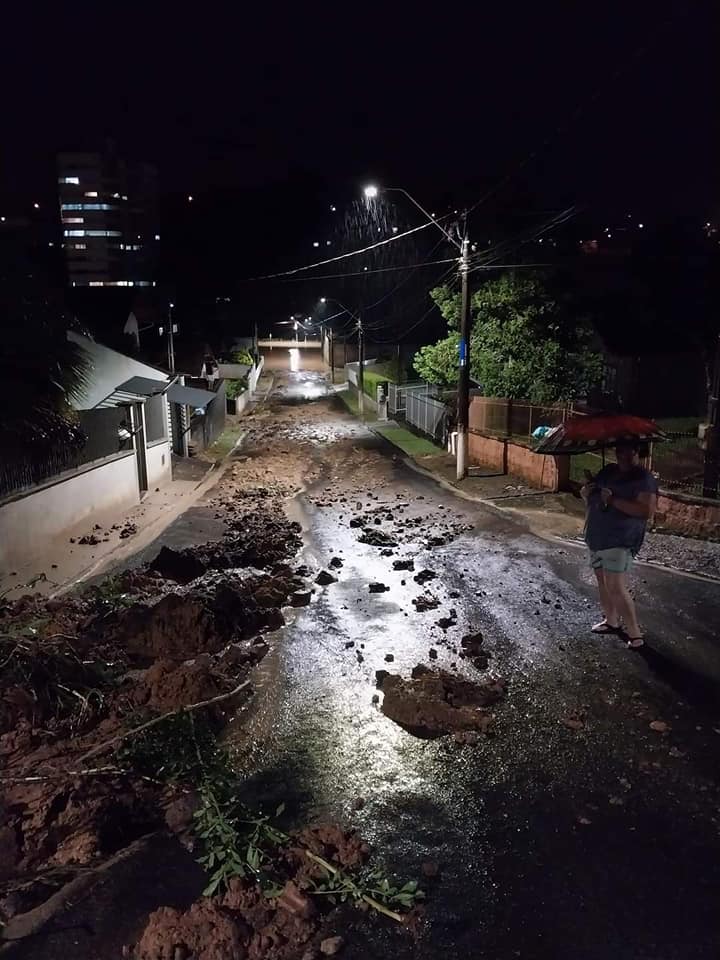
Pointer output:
x,y
520,877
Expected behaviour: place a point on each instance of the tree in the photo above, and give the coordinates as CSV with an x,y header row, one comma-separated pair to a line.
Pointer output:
x,y
41,371
525,342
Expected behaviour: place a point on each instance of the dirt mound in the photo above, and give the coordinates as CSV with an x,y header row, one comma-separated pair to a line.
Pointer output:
x,y
182,566
176,627
435,702
260,538
56,823
243,922
167,685
182,625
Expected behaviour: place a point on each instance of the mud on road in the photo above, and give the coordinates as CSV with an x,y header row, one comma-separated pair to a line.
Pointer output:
x,y
419,667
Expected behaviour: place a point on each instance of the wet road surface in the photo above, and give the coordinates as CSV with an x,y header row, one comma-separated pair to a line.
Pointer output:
x,y
553,842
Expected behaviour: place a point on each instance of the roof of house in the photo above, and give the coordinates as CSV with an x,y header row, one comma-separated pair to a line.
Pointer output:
x,y
109,371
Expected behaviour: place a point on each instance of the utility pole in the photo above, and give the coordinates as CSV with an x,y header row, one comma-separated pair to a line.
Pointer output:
x,y
463,392
255,343
332,356
711,471
361,369
171,340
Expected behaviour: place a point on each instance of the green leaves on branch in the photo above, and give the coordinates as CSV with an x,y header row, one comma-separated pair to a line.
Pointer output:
x,y
525,342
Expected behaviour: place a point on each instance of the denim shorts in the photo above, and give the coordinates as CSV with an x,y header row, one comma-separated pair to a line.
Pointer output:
x,y
615,560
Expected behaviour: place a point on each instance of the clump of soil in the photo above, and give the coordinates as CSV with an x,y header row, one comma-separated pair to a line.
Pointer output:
x,y
244,923
258,538
434,702
182,566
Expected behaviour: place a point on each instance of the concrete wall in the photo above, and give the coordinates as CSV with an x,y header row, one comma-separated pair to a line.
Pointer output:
x,y
545,473
30,522
254,374
109,370
159,468
239,405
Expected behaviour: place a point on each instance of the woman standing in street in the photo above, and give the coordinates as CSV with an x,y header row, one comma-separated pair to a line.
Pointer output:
x,y
620,501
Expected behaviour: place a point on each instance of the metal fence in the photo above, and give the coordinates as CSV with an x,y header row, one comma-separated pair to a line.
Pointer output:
x,y
21,472
679,461
398,393
515,418
427,414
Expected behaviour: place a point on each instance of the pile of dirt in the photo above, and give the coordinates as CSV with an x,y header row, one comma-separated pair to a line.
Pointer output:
x,y
182,566
258,538
244,923
80,671
434,702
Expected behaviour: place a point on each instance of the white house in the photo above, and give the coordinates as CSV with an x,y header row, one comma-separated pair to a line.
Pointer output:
x,y
125,414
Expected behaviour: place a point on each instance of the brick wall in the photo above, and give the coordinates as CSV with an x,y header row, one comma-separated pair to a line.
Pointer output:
x,y
506,456
691,516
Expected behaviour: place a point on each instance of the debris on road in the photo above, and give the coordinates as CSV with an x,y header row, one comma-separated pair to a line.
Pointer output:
x,y
426,601
434,702
325,578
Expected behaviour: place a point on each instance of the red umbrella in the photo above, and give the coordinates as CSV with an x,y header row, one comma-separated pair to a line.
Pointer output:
x,y
585,434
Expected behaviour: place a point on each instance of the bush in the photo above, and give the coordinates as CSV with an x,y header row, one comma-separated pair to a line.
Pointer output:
x,y
242,356
371,378
233,388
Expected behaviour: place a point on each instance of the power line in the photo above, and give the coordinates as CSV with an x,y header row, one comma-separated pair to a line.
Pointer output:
x,y
365,273
404,333
578,111
342,256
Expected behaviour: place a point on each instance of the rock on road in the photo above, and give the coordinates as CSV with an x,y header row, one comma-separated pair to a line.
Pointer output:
x,y
586,826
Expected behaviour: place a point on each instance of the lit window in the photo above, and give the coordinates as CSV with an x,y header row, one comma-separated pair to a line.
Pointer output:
x,y
73,233
91,193
116,196
124,197
96,283
103,233
73,219
71,206
75,180
157,236
98,206
80,246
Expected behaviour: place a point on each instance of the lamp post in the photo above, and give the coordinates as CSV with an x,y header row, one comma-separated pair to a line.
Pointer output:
x,y
361,352
463,390
171,339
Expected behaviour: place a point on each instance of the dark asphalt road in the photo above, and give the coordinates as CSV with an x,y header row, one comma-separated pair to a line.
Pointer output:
x,y
554,843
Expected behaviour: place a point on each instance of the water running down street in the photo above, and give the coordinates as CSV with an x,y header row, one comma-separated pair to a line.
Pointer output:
x,y
576,829
583,825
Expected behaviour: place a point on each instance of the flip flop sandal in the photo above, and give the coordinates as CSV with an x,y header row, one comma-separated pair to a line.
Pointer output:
x,y
635,643
603,629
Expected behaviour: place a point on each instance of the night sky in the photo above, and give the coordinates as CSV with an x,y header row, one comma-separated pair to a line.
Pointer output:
x,y
268,113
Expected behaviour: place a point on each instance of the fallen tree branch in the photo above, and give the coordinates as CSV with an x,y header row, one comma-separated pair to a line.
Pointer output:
x,y
113,741
371,902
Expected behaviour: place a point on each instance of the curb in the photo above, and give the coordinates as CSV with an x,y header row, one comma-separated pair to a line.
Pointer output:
x,y
519,518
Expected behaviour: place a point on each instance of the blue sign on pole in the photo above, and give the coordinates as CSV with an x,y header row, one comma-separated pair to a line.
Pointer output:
x,y
462,349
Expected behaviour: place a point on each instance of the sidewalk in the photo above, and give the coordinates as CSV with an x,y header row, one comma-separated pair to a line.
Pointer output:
x,y
105,538
548,515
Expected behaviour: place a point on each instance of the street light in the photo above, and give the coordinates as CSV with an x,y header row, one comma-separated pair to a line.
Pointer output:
x,y
463,399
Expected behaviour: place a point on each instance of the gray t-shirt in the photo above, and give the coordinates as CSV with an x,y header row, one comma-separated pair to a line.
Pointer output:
x,y
610,528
